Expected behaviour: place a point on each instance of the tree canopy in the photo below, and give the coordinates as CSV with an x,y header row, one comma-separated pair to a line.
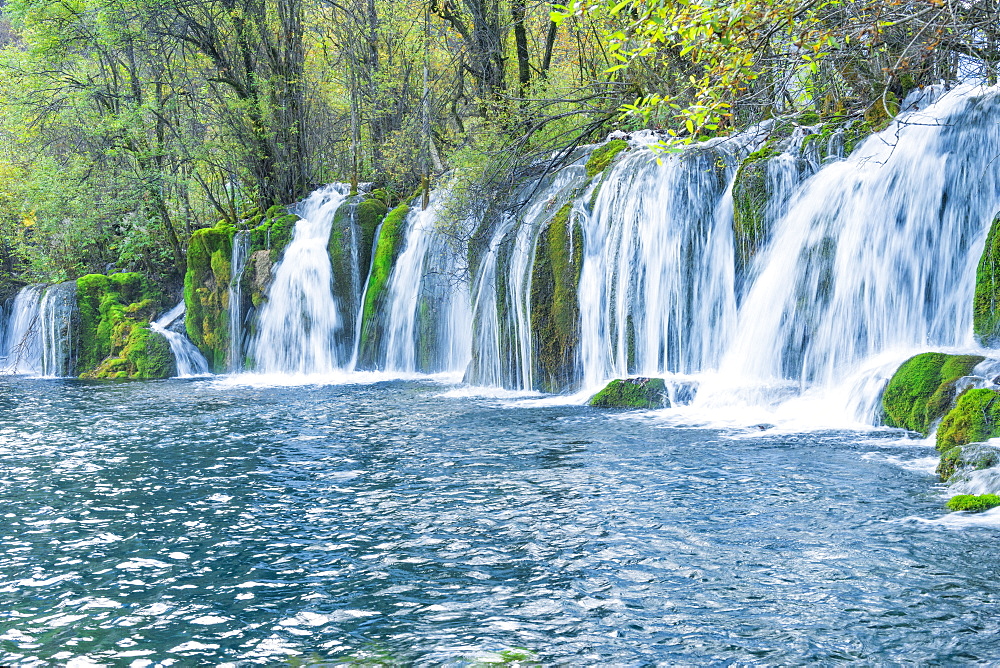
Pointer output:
x,y
127,124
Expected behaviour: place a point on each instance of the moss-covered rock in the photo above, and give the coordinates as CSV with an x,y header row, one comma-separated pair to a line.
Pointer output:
x,y
975,418
391,239
352,236
206,293
753,192
272,231
143,354
632,393
604,155
114,339
973,503
555,311
923,389
985,311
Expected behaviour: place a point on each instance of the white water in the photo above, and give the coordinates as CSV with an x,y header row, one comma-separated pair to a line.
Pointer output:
x,y
503,339
298,323
877,253
57,313
427,317
190,361
657,290
20,339
241,252
869,260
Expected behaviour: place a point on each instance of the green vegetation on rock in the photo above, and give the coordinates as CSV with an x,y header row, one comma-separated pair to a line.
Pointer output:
x,y
923,388
354,223
975,418
973,503
985,311
632,393
391,238
555,311
206,292
604,155
115,341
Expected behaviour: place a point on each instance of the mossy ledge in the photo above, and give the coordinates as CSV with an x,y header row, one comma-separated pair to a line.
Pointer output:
x,y
604,155
972,503
391,239
632,393
355,221
985,311
555,311
115,341
206,293
923,389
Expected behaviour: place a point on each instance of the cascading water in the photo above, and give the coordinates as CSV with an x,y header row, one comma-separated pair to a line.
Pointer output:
x,y
190,361
57,316
297,325
878,252
20,339
657,287
503,353
427,314
241,252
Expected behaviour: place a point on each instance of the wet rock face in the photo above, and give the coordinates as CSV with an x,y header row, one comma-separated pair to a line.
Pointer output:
x,y
632,393
986,303
555,310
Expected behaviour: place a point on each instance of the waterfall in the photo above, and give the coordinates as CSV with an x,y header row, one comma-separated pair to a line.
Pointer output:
x,y
427,314
190,361
57,317
503,341
241,252
657,287
876,253
298,323
20,338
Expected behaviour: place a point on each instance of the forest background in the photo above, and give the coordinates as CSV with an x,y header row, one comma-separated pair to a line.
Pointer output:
x,y
127,124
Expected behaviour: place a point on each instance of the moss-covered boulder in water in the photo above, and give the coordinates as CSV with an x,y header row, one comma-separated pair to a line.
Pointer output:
x,y
923,388
975,418
143,354
986,303
206,293
555,310
115,341
971,503
632,393
604,155
391,239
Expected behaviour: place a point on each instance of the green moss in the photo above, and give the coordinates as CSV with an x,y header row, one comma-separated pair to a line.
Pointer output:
x,y
391,238
555,311
369,215
206,293
750,198
114,311
985,314
975,418
923,388
604,155
973,503
110,307
143,354
632,393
